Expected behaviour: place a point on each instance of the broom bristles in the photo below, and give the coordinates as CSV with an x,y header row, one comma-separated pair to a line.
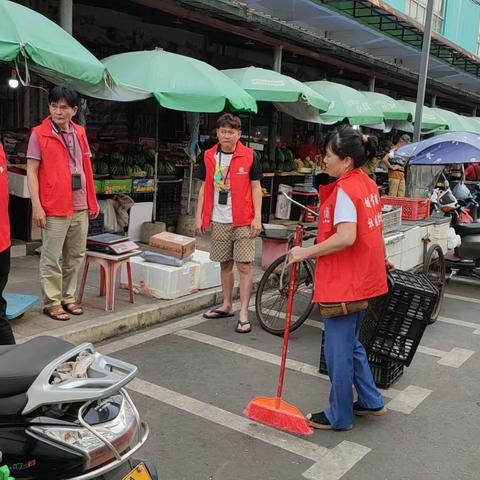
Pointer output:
x,y
286,419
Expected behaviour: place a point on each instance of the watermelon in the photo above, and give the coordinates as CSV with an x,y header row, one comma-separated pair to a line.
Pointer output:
x,y
102,168
150,169
279,156
288,154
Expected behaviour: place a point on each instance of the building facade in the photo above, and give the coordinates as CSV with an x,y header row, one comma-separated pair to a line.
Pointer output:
x,y
457,20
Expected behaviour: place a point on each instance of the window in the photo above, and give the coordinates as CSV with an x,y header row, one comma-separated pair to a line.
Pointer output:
x,y
417,9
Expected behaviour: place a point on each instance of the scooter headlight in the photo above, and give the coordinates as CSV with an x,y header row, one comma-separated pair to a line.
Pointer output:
x,y
119,432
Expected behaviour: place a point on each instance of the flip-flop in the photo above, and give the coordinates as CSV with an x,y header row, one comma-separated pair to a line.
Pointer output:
x,y
56,312
241,324
218,314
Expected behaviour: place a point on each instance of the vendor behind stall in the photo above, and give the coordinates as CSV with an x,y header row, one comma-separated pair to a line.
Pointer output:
x,y
308,149
396,168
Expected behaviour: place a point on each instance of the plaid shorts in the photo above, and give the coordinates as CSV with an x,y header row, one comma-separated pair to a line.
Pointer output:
x,y
231,243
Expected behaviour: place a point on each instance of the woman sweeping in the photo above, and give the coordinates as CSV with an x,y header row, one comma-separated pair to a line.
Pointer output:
x,y
350,269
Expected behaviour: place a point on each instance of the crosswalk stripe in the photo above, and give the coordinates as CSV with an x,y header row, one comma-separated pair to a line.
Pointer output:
x,y
333,463
455,358
461,323
410,400
462,298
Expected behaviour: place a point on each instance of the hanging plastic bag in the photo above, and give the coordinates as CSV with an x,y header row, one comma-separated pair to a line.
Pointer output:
x,y
464,216
461,191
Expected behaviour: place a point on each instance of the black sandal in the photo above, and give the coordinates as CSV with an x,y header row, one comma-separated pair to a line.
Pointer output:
x,y
241,324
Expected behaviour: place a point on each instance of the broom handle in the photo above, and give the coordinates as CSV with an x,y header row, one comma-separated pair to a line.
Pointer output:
x,y
288,317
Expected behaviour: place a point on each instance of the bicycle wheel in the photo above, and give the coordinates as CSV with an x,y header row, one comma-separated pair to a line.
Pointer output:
x,y
434,269
272,296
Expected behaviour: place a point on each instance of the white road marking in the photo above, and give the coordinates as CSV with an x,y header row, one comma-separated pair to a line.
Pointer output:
x,y
410,394
148,335
330,464
455,358
461,323
277,314
463,299
409,399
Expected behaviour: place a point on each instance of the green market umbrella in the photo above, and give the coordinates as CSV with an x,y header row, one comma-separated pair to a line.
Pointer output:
x,y
475,122
270,86
430,119
177,82
347,104
392,110
457,123
44,47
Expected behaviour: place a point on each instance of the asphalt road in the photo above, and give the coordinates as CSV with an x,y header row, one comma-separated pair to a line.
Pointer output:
x,y
197,376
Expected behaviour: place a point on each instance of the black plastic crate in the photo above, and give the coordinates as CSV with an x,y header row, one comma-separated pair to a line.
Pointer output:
x,y
394,324
169,191
385,372
96,226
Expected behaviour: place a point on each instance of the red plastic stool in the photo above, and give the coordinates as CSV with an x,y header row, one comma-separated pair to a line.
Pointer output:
x,y
109,265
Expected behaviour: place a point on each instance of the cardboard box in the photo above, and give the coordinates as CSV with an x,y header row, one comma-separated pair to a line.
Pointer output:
x,y
172,244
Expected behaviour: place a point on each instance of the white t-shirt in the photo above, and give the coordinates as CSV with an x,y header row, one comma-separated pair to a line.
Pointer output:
x,y
222,213
345,210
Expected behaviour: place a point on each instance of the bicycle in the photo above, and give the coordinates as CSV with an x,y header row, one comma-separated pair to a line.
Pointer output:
x,y
272,294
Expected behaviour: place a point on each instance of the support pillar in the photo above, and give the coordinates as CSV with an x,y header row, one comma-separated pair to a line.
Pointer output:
x,y
66,15
371,83
273,126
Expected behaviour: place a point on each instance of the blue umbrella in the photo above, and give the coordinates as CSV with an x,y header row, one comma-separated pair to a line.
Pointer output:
x,y
446,149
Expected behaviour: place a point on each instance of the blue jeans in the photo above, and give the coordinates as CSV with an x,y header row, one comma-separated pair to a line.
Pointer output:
x,y
347,365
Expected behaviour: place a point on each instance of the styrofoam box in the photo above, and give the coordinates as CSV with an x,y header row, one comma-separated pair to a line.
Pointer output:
x,y
412,247
438,234
17,185
209,270
414,237
284,205
163,281
394,246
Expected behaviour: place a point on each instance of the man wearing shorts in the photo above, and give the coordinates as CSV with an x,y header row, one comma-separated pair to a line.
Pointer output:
x,y
230,200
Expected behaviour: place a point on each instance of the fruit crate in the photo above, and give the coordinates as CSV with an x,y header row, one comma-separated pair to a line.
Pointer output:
x,y
117,185
412,208
96,226
98,186
392,220
385,372
169,201
394,323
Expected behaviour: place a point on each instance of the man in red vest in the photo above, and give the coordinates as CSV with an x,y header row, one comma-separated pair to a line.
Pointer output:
x,y
6,334
60,181
230,199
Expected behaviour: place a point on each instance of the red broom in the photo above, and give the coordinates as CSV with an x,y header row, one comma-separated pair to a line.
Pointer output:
x,y
274,411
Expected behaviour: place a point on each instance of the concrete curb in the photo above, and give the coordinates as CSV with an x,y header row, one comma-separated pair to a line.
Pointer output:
x,y
114,324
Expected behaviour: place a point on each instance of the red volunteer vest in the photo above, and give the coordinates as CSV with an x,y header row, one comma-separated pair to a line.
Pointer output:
x,y
4,219
243,211
358,272
54,176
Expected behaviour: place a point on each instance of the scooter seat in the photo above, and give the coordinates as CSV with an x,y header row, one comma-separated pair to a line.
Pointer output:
x,y
21,364
464,229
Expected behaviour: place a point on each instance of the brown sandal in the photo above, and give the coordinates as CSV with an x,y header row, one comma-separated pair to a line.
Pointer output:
x,y
73,308
56,313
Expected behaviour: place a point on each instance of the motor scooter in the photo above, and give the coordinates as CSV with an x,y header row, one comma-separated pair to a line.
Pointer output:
x,y
465,261
73,427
